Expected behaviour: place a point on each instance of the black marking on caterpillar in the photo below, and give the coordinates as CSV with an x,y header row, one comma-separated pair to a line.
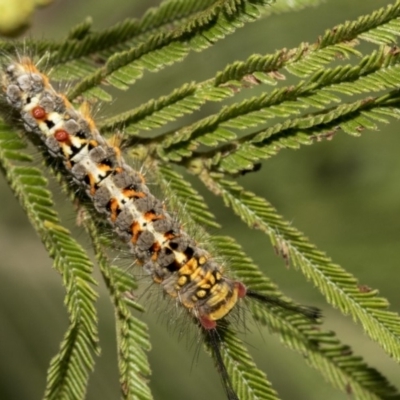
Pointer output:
x,y
185,271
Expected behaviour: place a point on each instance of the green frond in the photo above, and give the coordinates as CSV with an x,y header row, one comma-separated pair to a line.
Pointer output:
x,y
384,23
282,6
257,69
165,48
337,42
374,72
352,118
68,372
80,31
130,32
247,380
322,349
71,58
339,287
156,113
184,100
186,197
67,375
240,154
132,334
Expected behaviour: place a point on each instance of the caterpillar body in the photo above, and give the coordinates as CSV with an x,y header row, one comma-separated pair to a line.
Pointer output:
x,y
167,252
173,259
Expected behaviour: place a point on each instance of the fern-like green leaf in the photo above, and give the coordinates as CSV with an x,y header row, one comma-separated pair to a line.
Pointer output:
x,y
132,334
68,372
258,69
321,349
156,113
337,39
165,48
247,380
339,287
187,197
376,71
72,58
352,118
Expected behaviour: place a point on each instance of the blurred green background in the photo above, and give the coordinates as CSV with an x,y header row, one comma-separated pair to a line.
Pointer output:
x,y
343,194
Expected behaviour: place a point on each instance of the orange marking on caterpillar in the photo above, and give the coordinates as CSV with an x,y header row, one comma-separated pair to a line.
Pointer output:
x,y
114,208
136,231
104,167
130,193
117,152
66,101
169,236
152,216
94,143
92,183
28,64
155,249
118,170
85,110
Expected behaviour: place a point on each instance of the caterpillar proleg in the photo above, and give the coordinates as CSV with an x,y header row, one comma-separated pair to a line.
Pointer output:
x,y
185,271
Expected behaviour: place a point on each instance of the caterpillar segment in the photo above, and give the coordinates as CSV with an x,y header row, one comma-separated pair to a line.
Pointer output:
x,y
167,253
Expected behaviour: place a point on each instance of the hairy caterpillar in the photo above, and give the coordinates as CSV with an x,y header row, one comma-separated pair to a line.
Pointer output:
x,y
184,270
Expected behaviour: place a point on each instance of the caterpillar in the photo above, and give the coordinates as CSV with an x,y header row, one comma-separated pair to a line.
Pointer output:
x,y
184,270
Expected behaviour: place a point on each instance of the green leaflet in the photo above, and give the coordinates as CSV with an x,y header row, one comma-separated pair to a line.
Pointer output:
x,y
71,58
132,334
340,288
164,48
184,195
247,380
69,370
352,118
323,351
375,72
